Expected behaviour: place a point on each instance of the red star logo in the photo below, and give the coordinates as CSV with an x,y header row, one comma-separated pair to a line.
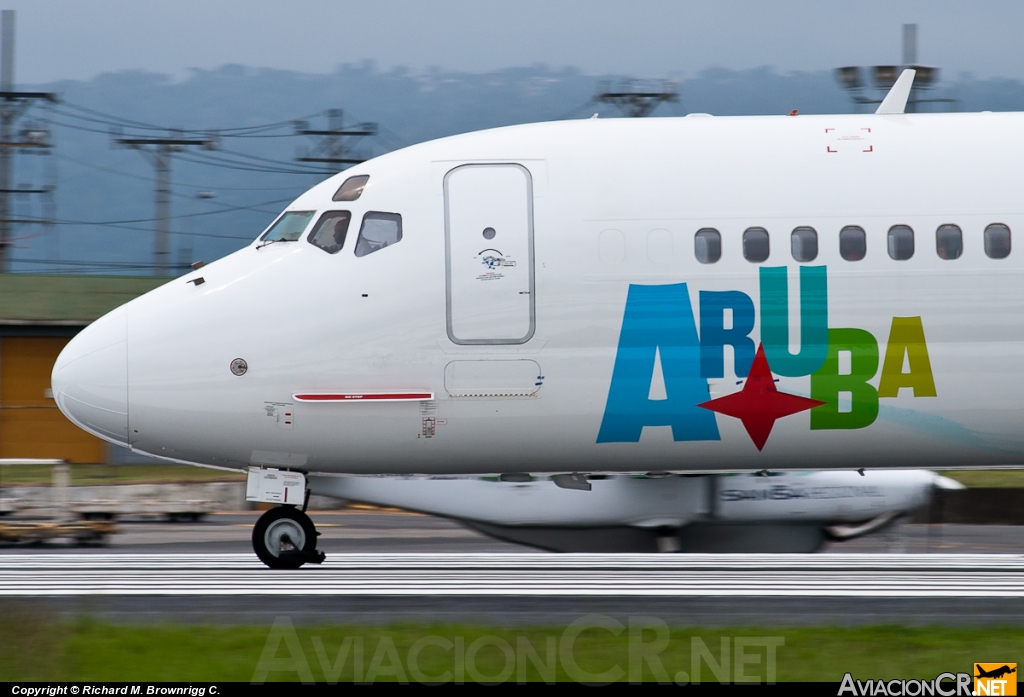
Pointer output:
x,y
759,404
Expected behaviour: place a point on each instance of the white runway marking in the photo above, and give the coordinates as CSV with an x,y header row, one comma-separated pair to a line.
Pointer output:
x,y
881,575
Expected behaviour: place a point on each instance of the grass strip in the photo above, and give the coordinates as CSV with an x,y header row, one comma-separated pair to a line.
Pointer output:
x,y
1000,479
82,475
34,646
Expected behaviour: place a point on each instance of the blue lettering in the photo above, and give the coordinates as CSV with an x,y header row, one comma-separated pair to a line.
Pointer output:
x,y
714,336
657,319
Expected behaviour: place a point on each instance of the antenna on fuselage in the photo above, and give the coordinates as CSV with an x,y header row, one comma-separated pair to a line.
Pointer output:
x,y
856,80
895,101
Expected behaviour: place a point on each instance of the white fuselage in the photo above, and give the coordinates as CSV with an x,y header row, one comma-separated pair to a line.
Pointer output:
x,y
566,341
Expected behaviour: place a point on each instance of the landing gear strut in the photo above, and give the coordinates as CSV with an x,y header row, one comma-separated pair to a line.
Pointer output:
x,y
285,538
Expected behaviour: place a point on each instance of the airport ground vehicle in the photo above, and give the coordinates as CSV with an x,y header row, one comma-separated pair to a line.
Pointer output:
x,y
56,521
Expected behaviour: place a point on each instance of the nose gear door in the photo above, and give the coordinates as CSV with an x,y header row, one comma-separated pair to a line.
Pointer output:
x,y
489,254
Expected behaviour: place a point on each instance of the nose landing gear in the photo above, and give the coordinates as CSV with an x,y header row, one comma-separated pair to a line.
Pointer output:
x,y
285,538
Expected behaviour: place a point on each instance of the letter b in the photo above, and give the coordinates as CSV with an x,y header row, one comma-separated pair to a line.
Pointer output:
x,y
827,383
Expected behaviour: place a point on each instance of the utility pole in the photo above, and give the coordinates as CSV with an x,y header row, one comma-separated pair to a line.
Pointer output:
x,y
158,152
330,149
638,98
13,105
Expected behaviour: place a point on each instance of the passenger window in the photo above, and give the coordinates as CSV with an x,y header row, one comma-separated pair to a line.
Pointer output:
x,y
755,244
901,242
288,227
329,232
378,231
853,243
804,243
997,241
949,242
351,188
707,245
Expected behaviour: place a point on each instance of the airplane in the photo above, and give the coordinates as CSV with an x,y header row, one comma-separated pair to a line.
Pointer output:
x,y
783,512
601,296
994,673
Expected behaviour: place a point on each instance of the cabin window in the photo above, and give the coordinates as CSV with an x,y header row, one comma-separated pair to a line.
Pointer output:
x,y
853,243
901,242
804,243
707,245
351,188
379,230
329,232
755,244
949,242
997,241
288,227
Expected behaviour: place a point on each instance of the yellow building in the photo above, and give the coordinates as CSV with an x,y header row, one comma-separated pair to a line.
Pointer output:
x,y
38,316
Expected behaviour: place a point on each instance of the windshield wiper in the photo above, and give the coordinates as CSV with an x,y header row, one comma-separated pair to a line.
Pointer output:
x,y
268,242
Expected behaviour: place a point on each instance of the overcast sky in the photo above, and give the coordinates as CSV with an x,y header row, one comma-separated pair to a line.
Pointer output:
x,y
78,39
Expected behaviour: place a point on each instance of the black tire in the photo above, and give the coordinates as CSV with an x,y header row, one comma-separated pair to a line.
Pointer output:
x,y
270,528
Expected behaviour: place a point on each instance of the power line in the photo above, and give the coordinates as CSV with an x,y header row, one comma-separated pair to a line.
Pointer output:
x,y
113,120
205,159
185,215
283,167
330,148
80,265
190,197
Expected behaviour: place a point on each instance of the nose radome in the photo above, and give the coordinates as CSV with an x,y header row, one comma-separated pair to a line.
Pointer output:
x,y
90,378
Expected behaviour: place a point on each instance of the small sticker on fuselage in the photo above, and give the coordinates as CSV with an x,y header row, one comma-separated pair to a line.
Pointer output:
x,y
281,412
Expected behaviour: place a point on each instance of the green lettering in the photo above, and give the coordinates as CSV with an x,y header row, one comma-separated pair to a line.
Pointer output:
x,y
827,383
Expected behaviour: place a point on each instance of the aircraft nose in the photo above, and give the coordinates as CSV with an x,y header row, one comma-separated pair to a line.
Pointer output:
x,y
90,378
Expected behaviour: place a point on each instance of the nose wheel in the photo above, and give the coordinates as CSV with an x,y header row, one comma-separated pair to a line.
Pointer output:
x,y
285,538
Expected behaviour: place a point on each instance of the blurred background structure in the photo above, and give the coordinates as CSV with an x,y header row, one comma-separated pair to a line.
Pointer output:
x,y
867,86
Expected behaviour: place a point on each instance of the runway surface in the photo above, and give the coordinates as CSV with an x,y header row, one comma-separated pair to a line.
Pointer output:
x,y
382,531
863,575
385,567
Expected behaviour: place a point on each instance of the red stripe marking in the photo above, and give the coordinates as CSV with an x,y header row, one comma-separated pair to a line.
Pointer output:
x,y
366,397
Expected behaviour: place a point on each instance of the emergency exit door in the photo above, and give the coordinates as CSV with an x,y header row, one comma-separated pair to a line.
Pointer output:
x,y
489,248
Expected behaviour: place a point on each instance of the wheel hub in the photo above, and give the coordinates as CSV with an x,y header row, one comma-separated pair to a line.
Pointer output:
x,y
283,535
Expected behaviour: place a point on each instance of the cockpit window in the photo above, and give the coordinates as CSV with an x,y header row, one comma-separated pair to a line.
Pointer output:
x,y
329,232
378,231
288,227
351,188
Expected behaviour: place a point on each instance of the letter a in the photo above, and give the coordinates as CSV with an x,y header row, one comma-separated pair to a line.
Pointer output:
x,y
658,319
906,338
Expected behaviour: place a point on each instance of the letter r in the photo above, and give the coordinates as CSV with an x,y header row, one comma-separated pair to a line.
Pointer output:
x,y
714,336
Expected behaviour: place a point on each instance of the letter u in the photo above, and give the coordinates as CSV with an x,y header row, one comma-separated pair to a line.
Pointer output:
x,y
775,330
